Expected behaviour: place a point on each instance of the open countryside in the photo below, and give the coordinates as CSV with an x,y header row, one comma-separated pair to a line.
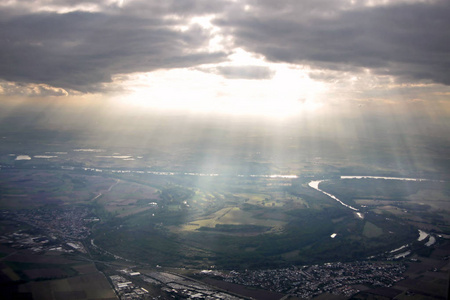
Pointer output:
x,y
236,227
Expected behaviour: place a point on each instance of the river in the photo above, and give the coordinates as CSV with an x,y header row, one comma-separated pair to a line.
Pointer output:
x,y
387,178
315,185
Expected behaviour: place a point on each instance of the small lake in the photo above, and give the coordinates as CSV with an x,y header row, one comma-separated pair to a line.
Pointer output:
x,y
23,157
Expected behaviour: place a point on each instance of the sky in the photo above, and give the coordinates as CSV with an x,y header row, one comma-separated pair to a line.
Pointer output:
x,y
267,58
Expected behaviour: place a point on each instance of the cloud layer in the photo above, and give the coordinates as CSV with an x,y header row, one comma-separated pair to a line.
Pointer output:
x,y
408,41
81,45
81,50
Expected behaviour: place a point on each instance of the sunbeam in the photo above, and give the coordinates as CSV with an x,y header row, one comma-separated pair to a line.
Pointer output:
x,y
253,149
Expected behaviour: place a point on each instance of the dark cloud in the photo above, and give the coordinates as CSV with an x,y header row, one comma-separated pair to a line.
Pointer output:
x,y
409,41
127,7
176,7
81,50
243,72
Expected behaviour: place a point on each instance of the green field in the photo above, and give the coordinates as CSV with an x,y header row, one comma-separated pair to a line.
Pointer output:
x,y
227,221
231,216
25,189
422,203
51,276
370,230
91,286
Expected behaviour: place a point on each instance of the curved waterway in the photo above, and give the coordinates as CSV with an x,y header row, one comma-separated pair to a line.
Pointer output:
x,y
387,178
315,185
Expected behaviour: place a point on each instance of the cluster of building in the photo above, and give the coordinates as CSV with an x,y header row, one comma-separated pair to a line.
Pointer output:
x,y
172,285
310,281
59,229
39,243
127,290
69,223
186,288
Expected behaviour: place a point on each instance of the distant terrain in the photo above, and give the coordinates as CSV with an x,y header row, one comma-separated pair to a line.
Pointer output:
x,y
75,211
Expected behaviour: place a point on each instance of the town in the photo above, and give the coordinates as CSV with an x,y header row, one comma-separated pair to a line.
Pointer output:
x,y
60,229
70,222
310,281
127,285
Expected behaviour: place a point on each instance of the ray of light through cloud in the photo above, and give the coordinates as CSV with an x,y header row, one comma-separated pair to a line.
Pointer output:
x,y
282,90
252,57
140,108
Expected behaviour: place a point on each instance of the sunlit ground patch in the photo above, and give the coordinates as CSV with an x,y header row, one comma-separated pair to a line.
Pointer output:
x,y
231,216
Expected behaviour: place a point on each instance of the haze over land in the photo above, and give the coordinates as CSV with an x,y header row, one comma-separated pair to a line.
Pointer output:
x,y
231,76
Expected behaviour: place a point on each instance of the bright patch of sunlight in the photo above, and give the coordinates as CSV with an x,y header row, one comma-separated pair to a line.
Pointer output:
x,y
288,92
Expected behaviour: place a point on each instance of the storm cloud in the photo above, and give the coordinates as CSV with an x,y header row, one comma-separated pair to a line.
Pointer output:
x,y
410,41
81,45
81,50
